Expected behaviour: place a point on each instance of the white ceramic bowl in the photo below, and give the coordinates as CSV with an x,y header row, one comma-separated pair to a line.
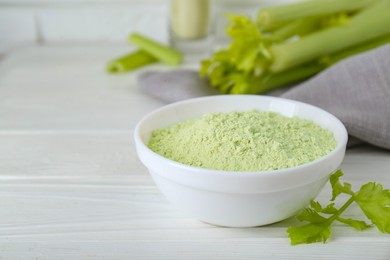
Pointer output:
x,y
238,199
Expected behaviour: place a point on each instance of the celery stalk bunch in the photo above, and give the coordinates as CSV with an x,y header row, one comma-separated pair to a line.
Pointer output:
x,y
289,43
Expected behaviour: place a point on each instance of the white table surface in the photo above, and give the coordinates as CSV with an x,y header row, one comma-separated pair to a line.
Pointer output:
x,y
72,187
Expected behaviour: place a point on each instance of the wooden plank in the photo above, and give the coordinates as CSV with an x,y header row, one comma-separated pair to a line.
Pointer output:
x,y
65,155
68,89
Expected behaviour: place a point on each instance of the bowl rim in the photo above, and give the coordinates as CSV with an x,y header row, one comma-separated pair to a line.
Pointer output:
x,y
340,145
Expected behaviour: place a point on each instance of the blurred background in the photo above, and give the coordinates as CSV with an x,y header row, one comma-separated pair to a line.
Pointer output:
x,y
100,22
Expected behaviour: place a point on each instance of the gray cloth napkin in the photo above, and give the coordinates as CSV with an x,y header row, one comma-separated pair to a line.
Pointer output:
x,y
356,90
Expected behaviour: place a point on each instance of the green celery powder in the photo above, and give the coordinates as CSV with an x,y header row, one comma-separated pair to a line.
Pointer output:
x,y
243,141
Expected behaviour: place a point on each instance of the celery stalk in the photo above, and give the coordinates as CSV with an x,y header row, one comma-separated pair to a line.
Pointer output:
x,y
366,46
264,83
130,62
272,15
291,76
298,27
368,24
299,73
158,50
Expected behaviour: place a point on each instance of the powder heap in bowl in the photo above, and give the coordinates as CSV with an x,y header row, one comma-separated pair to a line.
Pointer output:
x,y
243,141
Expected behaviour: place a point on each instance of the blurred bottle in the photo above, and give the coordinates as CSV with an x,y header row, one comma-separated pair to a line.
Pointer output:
x,y
191,25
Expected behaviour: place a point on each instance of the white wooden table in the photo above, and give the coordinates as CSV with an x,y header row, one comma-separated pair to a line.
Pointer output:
x,y
72,187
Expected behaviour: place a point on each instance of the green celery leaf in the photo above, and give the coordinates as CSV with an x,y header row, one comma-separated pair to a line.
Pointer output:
x,y
245,60
204,67
337,187
357,224
311,216
248,45
315,205
240,67
372,199
309,233
239,83
217,69
242,29
375,203
329,209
